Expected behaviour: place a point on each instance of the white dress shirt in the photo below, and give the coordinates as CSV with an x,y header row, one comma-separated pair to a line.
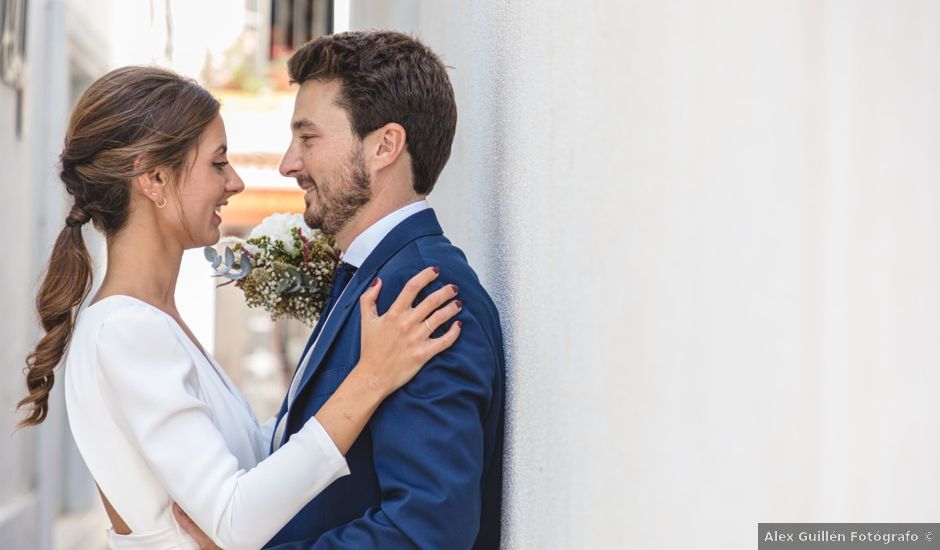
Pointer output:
x,y
157,421
357,252
365,243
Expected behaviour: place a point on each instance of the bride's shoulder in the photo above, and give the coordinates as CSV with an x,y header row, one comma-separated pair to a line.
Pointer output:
x,y
120,310
118,325
129,352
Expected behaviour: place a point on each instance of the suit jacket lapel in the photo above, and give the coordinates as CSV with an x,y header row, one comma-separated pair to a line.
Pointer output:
x,y
285,405
422,224
313,338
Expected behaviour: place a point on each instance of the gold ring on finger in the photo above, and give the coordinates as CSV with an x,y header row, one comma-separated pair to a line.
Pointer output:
x,y
428,325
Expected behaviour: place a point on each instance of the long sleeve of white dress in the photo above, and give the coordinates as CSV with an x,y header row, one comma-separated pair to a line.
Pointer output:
x,y
152,390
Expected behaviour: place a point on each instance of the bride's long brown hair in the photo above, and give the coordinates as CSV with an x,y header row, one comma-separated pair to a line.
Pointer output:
x,y
144,115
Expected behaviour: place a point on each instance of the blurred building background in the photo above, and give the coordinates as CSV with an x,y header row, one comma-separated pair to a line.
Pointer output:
x,y
711,228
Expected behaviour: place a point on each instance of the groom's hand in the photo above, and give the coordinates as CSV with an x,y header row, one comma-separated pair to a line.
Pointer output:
x,y
204,542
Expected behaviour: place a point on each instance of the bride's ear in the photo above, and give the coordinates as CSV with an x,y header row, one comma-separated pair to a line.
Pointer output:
x,y
151,184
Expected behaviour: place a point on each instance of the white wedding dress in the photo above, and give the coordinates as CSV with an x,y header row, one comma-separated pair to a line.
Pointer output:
x,y
157,422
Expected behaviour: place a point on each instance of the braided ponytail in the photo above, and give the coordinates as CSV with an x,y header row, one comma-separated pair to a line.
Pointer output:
x,y
64,288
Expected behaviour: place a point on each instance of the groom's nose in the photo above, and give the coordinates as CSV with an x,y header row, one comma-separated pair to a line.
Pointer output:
x,y
291,164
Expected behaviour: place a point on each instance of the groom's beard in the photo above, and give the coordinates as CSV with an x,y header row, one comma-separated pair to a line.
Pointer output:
x,y
349,190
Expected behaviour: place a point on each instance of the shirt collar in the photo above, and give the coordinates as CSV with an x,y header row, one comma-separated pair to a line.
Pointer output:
x,y
365,243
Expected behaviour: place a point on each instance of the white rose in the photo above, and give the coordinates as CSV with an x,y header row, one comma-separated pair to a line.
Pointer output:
x,y
279,227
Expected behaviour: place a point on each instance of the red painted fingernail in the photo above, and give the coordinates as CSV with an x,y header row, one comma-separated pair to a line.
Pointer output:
x,y
454,288
374,282
459,323
459,304
436,269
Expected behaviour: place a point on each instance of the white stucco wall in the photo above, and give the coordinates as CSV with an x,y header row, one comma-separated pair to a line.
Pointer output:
x,y
712,230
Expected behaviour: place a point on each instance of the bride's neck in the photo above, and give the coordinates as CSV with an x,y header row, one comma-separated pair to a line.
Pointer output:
x,y
144,264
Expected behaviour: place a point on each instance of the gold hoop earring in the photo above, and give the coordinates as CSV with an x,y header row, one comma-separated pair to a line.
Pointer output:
x,y
161,204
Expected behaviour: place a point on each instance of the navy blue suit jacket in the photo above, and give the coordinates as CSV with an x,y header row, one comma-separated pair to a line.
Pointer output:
x,y
427,470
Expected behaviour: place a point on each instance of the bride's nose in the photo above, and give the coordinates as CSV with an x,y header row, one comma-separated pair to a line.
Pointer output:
x,y
234,184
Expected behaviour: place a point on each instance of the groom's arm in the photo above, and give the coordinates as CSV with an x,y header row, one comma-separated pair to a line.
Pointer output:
x,y
428,452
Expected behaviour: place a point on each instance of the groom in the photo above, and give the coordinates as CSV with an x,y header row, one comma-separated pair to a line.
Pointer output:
x,y
373,124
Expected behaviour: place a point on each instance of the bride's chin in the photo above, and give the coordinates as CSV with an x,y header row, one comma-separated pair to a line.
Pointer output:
x,y
210,239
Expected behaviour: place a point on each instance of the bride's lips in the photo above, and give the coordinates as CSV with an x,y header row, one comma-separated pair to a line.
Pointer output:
x,y
217,213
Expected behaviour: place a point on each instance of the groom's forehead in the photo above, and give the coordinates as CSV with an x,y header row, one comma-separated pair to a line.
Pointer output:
x,y
316,93
316,104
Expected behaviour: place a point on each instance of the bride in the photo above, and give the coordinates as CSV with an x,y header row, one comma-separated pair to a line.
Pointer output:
x,y
156,419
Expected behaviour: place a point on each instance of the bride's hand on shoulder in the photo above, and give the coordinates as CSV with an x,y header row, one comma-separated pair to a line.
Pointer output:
x,y
397,344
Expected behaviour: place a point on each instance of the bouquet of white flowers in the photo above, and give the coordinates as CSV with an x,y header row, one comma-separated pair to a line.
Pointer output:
x,y
284,267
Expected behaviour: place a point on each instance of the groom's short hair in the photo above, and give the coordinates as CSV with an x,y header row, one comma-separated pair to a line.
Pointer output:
x,y
387,76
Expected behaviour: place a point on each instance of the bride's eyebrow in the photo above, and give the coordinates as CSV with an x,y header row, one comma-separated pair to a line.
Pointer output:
x,y
221,150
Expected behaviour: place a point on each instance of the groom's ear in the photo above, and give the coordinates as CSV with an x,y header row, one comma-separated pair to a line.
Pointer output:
x,y
387,145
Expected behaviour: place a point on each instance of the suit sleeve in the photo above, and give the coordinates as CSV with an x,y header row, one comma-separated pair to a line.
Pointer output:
x,y
151,388
427,449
